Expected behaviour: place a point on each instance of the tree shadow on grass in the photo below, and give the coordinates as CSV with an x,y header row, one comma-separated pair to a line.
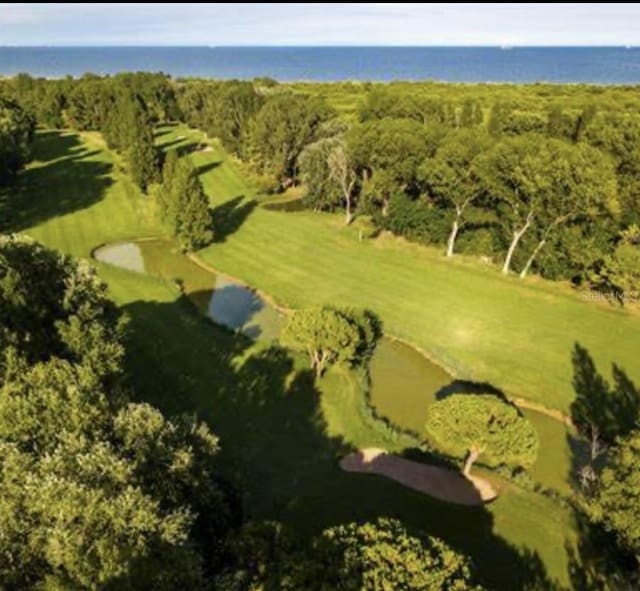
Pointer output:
x,y
264,405
468,387
178,145
68,182
161,132
53,144
477,388
209,166
229,216
601,410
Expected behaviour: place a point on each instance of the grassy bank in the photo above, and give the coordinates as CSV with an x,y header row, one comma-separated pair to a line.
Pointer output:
x,y
516,335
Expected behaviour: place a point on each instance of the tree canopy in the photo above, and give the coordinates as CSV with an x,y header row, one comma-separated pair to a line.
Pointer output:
x,y
331,335
351,557
96,492
281,129
477,424
616,500
449,175
16,134
183,204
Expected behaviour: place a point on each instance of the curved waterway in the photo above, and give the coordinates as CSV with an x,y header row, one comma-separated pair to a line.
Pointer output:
x,y
227,302
404,383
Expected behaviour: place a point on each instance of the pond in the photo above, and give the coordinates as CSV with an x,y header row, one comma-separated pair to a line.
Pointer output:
x,y
235,306
126,255
404,383
225,301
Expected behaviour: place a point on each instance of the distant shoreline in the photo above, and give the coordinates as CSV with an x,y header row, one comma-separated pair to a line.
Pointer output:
x,y
512,64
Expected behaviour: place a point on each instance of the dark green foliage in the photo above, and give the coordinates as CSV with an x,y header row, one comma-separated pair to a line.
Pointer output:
x,y
331,335
476,424
386,154
183,204
155,90
128,128
471,114
351,557
96,492
88,103
16,134
518,122
497,117
619,135
387,102
323,190
281,129
222,109
271,125
143,160
449,176
615,502
385,555
620,270
53,306
416,220
44,99
561,124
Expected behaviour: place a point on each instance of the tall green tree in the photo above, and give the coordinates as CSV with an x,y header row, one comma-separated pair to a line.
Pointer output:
x,y
516,171
602,411
387,154
330,335
17,129
449,176
475,424
281,129
184,205
143,160
322,190
583,185
342,171
616,499
620,270
618,133
327,169
384,555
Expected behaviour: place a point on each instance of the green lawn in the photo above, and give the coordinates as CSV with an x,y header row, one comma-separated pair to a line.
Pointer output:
x,y
515,335
281,434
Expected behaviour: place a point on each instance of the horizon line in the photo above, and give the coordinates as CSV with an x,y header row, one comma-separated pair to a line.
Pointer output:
x,y
320,46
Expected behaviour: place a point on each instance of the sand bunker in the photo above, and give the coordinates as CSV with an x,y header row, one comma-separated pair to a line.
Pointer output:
x,y
437,482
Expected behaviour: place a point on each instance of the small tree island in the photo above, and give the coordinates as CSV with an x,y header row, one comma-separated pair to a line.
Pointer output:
x,y
474,424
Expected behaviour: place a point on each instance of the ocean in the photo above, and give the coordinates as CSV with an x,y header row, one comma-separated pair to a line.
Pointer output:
x,y
601,65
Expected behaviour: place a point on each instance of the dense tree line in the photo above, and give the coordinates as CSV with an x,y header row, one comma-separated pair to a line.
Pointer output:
x,y
123,107
445,164
16,133
97,492
350,557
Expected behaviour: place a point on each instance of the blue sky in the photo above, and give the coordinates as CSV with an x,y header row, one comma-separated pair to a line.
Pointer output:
x,y
320,24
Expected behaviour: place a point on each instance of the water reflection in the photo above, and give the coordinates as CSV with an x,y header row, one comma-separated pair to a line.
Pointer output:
x,y
239,308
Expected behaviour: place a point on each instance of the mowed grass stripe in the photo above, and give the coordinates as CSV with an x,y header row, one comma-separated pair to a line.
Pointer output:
x,y
518,336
